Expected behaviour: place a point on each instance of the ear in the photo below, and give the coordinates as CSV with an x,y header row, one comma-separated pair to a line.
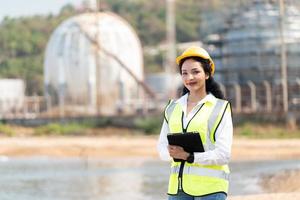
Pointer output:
x,y
206,76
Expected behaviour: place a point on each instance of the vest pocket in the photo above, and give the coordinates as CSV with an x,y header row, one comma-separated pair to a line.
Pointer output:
x,y
202,185
173,184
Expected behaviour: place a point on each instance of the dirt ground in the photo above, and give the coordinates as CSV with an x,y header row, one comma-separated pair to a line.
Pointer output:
x,y
287,184
145,146
271,196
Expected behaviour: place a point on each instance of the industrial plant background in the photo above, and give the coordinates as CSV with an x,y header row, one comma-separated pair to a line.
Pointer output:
x,y
128,44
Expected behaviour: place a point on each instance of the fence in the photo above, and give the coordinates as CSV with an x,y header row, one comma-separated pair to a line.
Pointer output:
x,y
250,98
261,97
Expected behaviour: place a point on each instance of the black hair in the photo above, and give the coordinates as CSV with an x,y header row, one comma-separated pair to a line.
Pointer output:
x,y
211,85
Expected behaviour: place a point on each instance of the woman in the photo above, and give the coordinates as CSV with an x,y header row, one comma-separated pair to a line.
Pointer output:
x,y
202,109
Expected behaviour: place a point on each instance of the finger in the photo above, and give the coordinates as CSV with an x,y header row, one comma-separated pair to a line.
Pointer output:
x,y
180,148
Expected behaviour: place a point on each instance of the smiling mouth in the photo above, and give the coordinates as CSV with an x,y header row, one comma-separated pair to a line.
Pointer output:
x,y
193,83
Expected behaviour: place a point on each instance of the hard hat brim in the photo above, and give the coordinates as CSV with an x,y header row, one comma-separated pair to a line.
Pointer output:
x,y
181,57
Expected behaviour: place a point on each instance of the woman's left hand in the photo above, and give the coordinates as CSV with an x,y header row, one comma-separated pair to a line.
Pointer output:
x,y
177,152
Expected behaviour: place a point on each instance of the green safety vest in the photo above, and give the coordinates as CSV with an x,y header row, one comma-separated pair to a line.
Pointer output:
x,y
196,179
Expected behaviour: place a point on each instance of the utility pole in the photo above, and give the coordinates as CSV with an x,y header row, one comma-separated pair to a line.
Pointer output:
x,y
171,43
283,57
98,70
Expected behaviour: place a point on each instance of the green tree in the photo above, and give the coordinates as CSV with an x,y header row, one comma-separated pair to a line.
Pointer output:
x,y
22,46
23,40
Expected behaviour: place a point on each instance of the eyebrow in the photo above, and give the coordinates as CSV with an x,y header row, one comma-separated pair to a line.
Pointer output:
x,y
193,69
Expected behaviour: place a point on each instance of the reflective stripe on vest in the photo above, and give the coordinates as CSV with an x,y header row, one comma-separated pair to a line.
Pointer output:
x,y
192,170
215,117
169,109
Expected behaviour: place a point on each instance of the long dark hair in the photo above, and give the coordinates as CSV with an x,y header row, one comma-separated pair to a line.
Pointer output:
x,y
211,85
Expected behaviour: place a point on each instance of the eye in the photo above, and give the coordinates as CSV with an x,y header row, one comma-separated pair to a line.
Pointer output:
x,y
183,73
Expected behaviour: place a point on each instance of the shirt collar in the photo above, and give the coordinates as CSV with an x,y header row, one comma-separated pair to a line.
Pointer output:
x,y
208,98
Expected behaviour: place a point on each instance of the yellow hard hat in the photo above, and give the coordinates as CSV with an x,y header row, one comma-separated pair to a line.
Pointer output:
x,y
196,52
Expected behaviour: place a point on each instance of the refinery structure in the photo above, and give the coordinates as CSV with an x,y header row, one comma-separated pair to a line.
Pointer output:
x,y
94,62
260,45
249,46
80,70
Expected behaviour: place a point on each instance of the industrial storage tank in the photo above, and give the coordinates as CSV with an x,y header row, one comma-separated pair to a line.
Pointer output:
x,y
249,47
12,96
80,68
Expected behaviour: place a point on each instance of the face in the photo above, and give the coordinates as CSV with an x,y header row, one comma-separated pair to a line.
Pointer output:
x,y
193,75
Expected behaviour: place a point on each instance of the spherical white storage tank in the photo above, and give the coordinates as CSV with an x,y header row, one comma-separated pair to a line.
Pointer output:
x,y
78,72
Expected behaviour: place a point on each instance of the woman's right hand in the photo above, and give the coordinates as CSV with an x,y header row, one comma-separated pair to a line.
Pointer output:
x,y
177,152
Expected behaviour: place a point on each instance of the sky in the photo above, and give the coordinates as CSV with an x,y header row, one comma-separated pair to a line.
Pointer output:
x,y
17,8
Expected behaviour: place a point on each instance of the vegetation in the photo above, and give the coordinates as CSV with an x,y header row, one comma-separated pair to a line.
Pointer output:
x,y
60,129
149,125
7,130
265,131
23,40
22,45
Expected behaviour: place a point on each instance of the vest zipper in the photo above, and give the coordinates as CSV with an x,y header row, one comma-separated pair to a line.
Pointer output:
x,y
180,175
183,162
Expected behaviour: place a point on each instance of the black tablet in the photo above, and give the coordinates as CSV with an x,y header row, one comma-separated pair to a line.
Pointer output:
x,y
190,141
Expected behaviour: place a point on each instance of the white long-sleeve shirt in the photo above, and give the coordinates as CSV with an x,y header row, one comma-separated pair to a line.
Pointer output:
x,y
221,154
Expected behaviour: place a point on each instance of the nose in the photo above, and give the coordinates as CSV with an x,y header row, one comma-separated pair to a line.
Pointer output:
x,y
190,76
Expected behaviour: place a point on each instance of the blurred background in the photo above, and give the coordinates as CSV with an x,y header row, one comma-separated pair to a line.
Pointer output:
x,y
101,68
